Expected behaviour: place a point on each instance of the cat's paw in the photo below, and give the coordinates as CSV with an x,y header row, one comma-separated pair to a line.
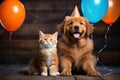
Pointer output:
x,y
54,74
57,73
43,74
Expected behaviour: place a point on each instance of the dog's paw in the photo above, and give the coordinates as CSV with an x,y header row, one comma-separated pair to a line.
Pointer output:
x,y
66,73
94,73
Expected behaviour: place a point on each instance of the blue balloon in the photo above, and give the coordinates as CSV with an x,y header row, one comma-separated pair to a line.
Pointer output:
x,y
94,10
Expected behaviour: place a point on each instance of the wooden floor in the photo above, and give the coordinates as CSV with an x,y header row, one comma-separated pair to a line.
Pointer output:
x,y
8,72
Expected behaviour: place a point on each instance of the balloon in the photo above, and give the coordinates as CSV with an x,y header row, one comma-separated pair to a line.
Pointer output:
x,y
12,14
94,10
113,12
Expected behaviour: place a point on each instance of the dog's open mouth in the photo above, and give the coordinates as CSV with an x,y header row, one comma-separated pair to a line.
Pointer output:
x,y
76,35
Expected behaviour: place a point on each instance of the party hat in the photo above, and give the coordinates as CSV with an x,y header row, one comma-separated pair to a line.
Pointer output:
x,y
75,12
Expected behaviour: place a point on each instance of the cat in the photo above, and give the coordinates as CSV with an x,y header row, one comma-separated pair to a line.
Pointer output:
x,y
46,61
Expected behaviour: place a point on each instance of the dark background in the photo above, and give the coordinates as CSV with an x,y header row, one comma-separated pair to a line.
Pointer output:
x,y
45,15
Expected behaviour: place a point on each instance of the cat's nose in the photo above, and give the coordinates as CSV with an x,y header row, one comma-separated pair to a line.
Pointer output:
x,y
48,43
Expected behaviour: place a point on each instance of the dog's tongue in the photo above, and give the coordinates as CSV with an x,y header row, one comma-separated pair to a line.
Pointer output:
x,y
76,35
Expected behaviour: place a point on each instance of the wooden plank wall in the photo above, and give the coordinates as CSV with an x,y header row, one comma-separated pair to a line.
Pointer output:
x,y
45,15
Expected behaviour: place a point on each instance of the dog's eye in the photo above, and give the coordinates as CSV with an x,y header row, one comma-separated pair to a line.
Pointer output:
x,y
81,23
71,23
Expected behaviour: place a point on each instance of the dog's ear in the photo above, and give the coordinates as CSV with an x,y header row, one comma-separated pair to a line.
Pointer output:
x,y
61,26
67,18
90,28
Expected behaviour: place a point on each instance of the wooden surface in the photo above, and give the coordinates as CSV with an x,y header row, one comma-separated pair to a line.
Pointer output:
x,y
8,72
45,15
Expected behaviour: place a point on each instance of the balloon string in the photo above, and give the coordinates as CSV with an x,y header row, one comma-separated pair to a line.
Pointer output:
x,y
106,39
10,38
11,53
91,36
110,71
107,70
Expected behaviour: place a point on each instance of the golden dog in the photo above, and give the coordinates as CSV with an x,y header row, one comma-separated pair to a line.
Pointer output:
x,y
75,47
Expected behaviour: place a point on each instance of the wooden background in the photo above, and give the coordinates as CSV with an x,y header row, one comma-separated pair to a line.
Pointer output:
x,y
45,15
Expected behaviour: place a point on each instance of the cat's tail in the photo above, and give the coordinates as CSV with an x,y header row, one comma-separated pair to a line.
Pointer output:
x,y
24,71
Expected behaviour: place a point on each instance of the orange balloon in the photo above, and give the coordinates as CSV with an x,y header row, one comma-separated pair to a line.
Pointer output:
x,y
113,12
12,14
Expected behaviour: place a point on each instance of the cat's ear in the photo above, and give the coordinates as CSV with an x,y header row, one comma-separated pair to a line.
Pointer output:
x,y
41,34
55,35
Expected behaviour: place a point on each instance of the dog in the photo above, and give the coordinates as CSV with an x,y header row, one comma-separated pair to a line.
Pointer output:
x,y
75,47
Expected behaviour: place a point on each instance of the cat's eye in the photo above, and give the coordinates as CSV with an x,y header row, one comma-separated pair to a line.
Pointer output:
x,y
45,39
50,39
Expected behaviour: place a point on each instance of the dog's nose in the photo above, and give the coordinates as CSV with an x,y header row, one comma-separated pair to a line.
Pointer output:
x,y
76,28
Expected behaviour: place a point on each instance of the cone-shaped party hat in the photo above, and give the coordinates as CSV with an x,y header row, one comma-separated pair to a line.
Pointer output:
x,y
75,12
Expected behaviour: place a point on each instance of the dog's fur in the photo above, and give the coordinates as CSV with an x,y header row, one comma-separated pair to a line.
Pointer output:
x,y
75,47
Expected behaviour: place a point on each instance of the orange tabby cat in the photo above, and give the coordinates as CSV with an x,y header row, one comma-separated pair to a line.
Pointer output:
x,y
46,61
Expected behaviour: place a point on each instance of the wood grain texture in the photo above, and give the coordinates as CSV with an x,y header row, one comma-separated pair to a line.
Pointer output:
x,y
9,72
